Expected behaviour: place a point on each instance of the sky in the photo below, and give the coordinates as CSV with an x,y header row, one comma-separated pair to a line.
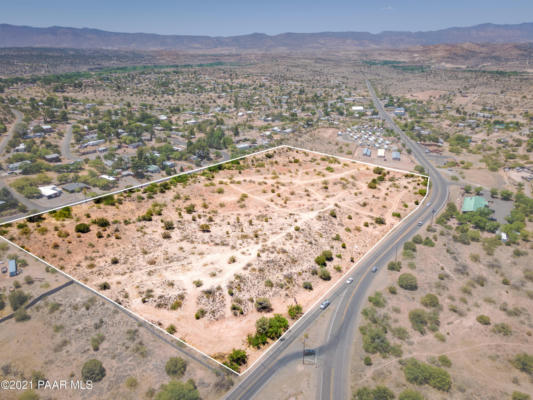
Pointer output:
x,y
235,17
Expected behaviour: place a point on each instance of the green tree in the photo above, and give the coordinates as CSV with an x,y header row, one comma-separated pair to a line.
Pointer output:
x,y
93,370
176,367
175,390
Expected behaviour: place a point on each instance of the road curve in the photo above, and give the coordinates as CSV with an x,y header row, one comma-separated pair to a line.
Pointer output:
x,y
346,301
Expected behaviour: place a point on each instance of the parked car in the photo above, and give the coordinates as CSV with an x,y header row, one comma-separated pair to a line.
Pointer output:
x,y
324,304
4,270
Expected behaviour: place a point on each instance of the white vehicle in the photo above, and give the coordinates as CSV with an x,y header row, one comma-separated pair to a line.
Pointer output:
x,y
420,223
350,280
325,304
374,269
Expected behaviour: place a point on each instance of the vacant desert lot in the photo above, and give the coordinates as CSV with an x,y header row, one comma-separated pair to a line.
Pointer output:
x,y
195,253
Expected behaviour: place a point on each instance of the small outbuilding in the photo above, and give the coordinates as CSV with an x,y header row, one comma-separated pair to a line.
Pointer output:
x,y
12,267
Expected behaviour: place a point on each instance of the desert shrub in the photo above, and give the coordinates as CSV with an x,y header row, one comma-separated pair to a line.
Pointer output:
x,y
419,320
307,285
430,300
262,304
375,339
171,329
394,266
324,274
2,302
205,228
409,246
200,313
295,311
101,222
378,393
367,361
410,394
320,260
176,367
82,228
428,242
483,319
17,299
28,395
93,370
440,337
502,329
178,390
524,363
407,281
421,373
377,300
131,382
393,290
96,341
379,220
520,396
236,358
445,361
400,332
28,279
417,239
21,315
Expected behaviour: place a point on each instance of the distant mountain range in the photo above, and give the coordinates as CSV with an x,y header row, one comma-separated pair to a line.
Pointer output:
x,y
85,38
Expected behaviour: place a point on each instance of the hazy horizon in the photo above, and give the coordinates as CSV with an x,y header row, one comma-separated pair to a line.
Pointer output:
x,y
237,17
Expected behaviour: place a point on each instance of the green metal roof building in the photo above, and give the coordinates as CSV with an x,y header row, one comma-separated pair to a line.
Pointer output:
x,y
473,203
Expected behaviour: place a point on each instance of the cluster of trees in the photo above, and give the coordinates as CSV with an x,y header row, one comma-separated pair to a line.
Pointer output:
x,y
420,373
268,328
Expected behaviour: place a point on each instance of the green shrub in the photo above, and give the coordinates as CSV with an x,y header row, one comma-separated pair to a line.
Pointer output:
x,y
93,370
483,319
394,266
367,361
295,311
200,313
409,246
21,315
377,300
82,228
410,394
502,329
307,286
430,300
262,304
176,367
419,320
524,363
378,393
421,373
324,274
407,281
520,396
445,361
96,341
101,222
17,299
178,390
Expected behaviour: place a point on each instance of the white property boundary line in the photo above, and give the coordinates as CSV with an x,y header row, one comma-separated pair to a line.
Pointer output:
x,y
124,309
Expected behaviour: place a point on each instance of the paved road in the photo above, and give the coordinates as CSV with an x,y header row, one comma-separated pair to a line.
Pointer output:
x,y
335,383
65,146
10,133
30,205
346,301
